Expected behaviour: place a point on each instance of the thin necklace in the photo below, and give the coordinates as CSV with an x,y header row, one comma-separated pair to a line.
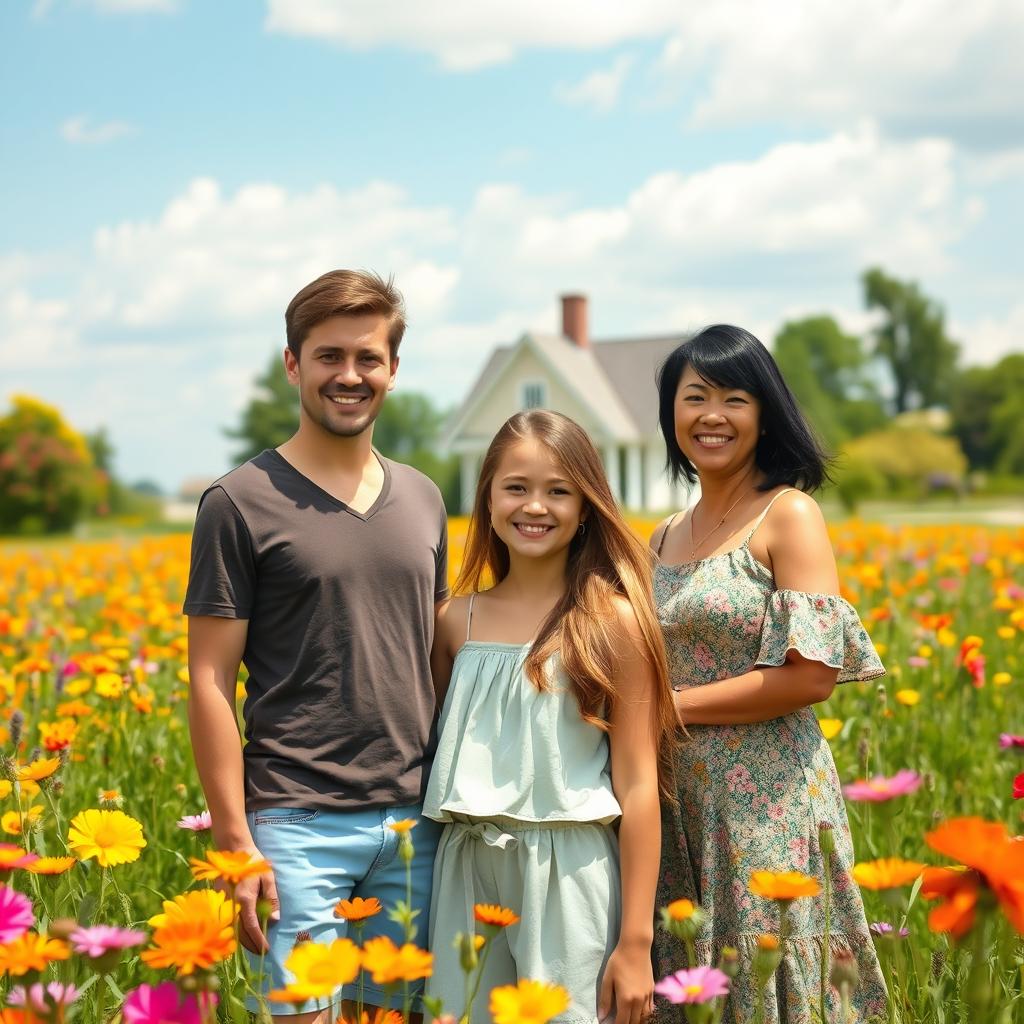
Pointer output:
x,y
716,527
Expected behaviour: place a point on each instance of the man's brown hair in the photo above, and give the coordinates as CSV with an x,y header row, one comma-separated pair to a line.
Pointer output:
x,y
345,293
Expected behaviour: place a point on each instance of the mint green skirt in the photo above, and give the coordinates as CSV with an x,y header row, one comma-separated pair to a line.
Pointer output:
x,y
561,878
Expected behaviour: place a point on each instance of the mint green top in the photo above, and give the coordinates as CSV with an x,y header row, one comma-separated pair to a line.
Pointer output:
x,y
507,749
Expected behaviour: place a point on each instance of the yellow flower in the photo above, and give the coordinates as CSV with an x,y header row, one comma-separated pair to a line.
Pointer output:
x,y
908,697
52,865
783,885
58,735
78,686
41,768
1002,679
886,873
529,1002
11,821
946,637
388,963
924,651
229,866
110,685
403,827
197,903
31,952
831,727
321,970
681,910
74,709
110,836
1006,632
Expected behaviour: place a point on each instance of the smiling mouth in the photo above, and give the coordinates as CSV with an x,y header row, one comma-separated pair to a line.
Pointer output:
x,y
533,529
712,440
347,399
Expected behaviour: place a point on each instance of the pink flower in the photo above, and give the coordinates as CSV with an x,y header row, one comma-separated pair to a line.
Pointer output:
x,y
916,661
695,986
884,929
1018,787
16,915
880,788
163,1004
102,938
35,998
1007,739
196,822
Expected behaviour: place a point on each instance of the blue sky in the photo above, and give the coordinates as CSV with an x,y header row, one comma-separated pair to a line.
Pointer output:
x,y
175,170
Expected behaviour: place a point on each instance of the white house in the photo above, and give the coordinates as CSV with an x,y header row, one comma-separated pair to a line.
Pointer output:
x,y
608,387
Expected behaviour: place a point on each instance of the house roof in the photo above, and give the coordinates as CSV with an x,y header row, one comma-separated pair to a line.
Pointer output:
x,y
614,379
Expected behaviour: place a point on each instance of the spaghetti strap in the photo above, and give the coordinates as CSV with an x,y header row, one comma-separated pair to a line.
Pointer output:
x,y
469,617
664,533
760,518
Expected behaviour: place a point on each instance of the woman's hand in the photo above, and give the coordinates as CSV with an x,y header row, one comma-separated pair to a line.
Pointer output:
x,y
628,984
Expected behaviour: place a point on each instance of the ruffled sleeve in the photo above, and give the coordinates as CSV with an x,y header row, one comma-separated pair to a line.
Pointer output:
x,y
820,627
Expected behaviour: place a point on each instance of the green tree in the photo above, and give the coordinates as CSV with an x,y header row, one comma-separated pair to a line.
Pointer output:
x,y
408,428
825,368
912,340
271,416
47,476
988,414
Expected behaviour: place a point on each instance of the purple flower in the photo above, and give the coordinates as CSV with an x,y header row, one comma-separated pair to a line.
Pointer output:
x,y
883,928
35,998
699,985
196,822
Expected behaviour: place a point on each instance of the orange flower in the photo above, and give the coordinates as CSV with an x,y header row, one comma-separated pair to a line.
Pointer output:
x,y
389,963
52,865
681,910
403,827
886,873
357,909
58,735
41,768
958,887
31,952
19,1017
14,857
195,932
379,1016
782,885
229,866
492,914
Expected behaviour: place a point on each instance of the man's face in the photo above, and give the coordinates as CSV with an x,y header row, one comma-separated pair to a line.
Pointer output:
x,y
344,372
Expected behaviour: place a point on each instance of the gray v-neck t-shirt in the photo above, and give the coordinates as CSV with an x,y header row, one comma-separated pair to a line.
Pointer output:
x,y
339,707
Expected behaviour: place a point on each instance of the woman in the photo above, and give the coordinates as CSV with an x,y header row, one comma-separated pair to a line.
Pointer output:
x,y
755,634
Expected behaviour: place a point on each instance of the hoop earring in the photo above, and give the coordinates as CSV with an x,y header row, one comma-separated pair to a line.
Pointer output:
x,y
581,529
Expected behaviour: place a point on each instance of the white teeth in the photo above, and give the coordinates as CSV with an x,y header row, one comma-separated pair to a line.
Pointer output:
x,y
343,400
712,439
527,528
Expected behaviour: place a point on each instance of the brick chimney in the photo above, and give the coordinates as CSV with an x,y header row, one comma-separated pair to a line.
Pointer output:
x,y
574,320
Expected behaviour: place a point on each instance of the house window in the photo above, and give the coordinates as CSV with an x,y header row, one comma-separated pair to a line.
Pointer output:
x,y
534,394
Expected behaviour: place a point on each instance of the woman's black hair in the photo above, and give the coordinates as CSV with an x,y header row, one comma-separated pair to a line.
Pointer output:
x,y
787,451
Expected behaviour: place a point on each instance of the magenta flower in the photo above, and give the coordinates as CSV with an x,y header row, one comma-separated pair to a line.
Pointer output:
x,y
695,986
1007,739
880,788
883,928
196,822
35,998
163,1004
16,915
100,939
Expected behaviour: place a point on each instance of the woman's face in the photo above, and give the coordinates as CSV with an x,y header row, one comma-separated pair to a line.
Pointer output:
x,y
535,509
716,428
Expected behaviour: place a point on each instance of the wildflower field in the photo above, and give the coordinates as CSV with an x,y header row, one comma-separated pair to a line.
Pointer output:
x,y
107,910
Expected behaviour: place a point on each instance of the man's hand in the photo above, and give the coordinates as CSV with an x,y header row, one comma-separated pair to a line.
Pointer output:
x,y
249,894
628,984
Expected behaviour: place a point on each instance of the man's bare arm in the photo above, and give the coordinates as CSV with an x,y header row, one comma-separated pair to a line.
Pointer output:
x,y
215,647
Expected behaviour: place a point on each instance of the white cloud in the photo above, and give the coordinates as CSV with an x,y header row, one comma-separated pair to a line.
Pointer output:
x,y
468,34
599,90
136,6
80,131
987,339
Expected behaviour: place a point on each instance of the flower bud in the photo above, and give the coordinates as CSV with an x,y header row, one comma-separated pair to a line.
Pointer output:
x,y
844,972
468,946
826,838
683,919
62,927
158,762
729,962
766,959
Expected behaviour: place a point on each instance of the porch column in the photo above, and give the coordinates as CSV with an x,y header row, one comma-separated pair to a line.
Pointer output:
x,y
611,469
467,481
634,477
658,497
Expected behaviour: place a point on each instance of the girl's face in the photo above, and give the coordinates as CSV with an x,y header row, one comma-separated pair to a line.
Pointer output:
x,y
716,428
535,509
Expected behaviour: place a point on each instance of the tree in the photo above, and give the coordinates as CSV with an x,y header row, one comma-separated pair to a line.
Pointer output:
x,y
825,369
47,476
988,414
912,340
271,416
408,428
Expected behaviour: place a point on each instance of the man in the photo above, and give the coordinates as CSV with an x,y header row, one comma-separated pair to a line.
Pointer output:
x,y
319,564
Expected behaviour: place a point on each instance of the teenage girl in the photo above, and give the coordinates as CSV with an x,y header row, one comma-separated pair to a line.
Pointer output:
x,y
556,732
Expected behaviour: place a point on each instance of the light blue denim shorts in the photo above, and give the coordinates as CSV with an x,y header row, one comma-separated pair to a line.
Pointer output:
x,y
320,857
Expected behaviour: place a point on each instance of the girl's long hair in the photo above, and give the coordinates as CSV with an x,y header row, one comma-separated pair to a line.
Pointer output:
x,y
608,559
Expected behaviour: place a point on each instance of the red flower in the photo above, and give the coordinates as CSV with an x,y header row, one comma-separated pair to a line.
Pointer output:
x,y
1018,787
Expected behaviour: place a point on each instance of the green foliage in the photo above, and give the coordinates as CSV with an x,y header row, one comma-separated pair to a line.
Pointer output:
x,y
904,461
825,370
988,415
47,476
912,340
407,429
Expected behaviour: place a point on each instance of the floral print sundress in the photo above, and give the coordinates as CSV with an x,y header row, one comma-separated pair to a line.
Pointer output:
x,y
752,796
